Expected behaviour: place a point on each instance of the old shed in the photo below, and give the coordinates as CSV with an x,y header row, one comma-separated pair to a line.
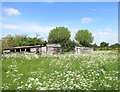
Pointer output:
x,y
81,49
22,49
53,49
48,49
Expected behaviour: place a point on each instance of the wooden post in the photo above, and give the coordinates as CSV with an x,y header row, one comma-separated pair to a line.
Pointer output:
x,y
20,50
15,51
46,50
25,49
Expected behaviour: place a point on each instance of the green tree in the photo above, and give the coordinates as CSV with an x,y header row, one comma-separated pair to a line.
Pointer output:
x,y
104,44
68,45
58,35
34,41
20,40
84,37
7,41
116,45
94,46
0,46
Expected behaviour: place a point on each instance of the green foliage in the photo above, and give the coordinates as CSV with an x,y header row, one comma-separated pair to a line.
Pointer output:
x,y
94,46
104,44
34,41
8,41
84,37
61,35
68,45
116,45
19,40
0,46
58,35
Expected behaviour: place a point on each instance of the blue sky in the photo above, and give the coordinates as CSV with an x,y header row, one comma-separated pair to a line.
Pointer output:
x,y
60,1
40,17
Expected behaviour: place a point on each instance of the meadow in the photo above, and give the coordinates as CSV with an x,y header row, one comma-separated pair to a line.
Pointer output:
x,y
97,70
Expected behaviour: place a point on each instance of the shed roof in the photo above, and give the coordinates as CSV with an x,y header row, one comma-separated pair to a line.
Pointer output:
x,y
19,47
53,45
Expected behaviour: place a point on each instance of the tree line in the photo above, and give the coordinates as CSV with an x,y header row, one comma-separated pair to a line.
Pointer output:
x,y
59,35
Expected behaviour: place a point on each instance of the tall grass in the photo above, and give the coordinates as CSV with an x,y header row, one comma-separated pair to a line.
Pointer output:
x,y
93,71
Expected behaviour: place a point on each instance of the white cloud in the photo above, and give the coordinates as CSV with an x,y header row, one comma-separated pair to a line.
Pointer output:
x,y
27,29
12,11
86,20
108,35
10,26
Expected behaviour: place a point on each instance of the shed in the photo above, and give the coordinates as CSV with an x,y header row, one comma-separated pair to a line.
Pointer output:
x,y
48,49
22,49
53,49
81,49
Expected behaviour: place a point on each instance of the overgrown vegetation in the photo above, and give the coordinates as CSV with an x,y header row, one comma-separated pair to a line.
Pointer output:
x,y
20,40
59,35
95,71
106,46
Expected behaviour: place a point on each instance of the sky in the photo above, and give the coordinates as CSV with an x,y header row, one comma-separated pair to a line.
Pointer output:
x,y
60,0
100,18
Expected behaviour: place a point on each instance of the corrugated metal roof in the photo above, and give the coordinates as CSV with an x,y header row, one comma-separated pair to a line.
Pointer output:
x,y
23,47
53,45
48,45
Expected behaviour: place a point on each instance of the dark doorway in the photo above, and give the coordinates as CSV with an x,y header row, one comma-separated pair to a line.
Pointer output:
x,y
27,49
17,50
12,50
22,49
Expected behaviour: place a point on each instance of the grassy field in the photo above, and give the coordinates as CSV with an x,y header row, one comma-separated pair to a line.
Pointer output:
x,y
93,71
